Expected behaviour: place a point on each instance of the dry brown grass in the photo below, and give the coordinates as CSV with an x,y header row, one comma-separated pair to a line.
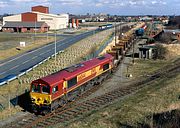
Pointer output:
x,y
12,51
173,50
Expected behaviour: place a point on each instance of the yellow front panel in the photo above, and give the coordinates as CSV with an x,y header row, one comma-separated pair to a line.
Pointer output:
x,y
39,98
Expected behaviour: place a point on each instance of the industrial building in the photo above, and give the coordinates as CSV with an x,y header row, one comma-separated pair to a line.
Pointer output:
x,y
39,17
0,25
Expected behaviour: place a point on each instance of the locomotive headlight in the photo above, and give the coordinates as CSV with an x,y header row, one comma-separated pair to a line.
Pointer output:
x,y
46,100
39,99
33,99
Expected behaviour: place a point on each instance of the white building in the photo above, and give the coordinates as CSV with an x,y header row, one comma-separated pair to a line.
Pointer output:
x,y
40,14
0,26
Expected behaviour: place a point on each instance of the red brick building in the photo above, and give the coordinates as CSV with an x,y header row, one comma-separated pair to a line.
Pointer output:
x,y
41,9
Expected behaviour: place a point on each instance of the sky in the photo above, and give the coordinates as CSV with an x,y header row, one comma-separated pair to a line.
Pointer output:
x,y
112,7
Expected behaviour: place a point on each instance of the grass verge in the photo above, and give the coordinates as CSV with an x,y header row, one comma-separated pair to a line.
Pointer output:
x,y
9,46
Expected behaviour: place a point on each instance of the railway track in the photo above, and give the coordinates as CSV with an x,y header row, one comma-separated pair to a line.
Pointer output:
x,y
29,118
72,111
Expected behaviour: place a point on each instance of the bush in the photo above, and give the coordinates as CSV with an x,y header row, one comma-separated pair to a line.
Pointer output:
x,y
159,52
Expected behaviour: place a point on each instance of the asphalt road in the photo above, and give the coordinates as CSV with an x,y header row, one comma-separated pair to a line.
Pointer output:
x,y
21,63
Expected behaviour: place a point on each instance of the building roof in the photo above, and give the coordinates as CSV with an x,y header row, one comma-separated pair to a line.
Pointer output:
x,y
23,24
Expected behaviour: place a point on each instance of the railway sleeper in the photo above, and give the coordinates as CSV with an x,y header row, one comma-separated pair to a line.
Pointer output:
x,y
66,115
106,100
69,113
109,98
79,109
91,103
100,99
73,111
45,123
88,104
116,96
83,107
89,108
40,125
96,103
56,118
67,118
50,121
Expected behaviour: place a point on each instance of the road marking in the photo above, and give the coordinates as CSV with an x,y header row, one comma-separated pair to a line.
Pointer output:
x,y
34,57
25,61
42,53
14,67
3,72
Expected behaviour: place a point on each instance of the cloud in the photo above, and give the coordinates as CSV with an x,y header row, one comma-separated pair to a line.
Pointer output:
x,y
98,4
32,1
22,0
158,2
3,4
94,6
70,2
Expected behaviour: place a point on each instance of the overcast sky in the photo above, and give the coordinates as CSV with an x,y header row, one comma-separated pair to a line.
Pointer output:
x,y
119,7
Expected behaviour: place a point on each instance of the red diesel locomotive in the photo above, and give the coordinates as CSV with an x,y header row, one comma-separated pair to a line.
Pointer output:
x,y
57,89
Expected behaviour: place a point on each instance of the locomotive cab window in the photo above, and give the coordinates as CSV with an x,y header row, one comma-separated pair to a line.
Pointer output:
x,y
105,67
36,88
72,82
45,89
55,89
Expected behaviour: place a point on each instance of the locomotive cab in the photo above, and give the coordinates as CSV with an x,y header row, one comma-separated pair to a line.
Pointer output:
x,y
40,94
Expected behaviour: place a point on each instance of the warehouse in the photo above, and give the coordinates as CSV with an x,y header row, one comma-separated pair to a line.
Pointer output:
x,y
38,14
25,27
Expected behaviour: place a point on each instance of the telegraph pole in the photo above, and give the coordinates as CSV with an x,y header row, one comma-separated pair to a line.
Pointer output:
x,y
133,50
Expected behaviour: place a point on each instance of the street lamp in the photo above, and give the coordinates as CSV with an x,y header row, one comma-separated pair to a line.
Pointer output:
x,y
55,43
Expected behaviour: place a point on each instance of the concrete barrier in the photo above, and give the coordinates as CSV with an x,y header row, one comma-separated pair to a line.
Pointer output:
x,y
13,78
40,63
28,70
2,83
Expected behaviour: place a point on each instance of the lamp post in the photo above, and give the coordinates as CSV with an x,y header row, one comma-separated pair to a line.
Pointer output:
x,y
55,43
115,32
35,30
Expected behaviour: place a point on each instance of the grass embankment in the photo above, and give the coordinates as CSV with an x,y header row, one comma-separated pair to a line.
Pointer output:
x,y
159,96
71,55
9,43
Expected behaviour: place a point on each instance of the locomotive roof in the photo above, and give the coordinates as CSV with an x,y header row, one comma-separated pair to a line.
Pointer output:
x,y
70,72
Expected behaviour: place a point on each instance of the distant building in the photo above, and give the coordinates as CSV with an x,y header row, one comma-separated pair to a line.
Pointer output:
x,y
1,25
38,15
73,23
146,18
25,27
146,52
